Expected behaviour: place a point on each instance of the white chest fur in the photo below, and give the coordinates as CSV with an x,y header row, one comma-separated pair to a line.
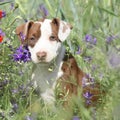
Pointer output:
x,y
45,80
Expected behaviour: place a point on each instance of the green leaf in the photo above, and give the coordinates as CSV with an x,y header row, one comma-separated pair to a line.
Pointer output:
x,y
108,11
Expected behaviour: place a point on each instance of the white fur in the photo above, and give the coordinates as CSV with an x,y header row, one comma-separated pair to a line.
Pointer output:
x,y
63,34
45,79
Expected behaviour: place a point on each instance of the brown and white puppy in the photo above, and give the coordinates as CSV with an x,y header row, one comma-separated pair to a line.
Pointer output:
x,y
44,39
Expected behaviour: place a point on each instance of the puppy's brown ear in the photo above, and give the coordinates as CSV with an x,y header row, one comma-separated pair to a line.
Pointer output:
x,y
22,31
63,27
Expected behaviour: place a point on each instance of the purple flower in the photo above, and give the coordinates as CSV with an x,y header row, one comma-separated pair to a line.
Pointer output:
x,y
76,118
94,41
22,36
12,6
88,95
84,80
4,83
2,33
14,91
28,118
15,107
43,10
22,54
88,38
88,102
109,39
78,50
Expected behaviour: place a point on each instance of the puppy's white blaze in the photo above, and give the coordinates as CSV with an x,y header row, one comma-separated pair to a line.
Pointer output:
x,y
63,34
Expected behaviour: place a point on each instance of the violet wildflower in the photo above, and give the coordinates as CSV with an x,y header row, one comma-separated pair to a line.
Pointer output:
x,y
22,54
22,36
43,10
94,41
78,50
109,39
14,91
75,118
12,6
4,83
88,96
15,107
28,118
88,38
84,81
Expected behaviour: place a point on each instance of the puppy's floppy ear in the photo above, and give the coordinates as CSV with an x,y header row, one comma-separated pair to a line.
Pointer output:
x,y
63,28
22,31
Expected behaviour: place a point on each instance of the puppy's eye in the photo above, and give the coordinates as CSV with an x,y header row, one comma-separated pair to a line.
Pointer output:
x,y
32,38
52,38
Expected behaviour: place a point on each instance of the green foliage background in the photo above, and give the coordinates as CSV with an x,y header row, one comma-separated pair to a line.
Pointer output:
x,y
99,18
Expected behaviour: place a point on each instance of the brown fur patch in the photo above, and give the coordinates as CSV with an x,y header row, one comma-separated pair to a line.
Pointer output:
x,y
55,28
71,82
31,31
34,34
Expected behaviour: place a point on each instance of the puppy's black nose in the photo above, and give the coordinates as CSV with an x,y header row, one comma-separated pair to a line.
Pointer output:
x,y
41,55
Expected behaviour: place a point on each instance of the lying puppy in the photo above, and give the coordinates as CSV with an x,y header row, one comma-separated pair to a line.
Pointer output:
x,y
44,39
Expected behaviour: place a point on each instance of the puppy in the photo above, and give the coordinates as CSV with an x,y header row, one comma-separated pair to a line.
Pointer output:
x,y
44,39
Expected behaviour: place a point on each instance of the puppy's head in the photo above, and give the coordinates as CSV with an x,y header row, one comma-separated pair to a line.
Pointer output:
x,y
43,38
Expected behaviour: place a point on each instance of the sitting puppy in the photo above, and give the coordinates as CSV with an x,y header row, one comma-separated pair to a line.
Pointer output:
x,y
44,39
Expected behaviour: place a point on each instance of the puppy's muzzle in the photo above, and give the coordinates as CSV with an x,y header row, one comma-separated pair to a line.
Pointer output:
x,y
41,55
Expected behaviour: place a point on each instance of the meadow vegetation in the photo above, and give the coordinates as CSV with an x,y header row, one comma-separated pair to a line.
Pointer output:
x,y
94,41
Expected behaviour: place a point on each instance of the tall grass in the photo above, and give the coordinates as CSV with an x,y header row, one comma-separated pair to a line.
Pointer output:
x,y
98,18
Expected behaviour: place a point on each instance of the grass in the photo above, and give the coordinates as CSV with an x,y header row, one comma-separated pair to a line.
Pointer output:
x,y
99,19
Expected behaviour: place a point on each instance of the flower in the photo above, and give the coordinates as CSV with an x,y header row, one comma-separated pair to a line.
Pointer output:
x,y
109,39
87,96
78,50
94,41
12,6
22,36
28,118
43,10
90,39
84,81
2,14
15,107
2,34
75,118
22,54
